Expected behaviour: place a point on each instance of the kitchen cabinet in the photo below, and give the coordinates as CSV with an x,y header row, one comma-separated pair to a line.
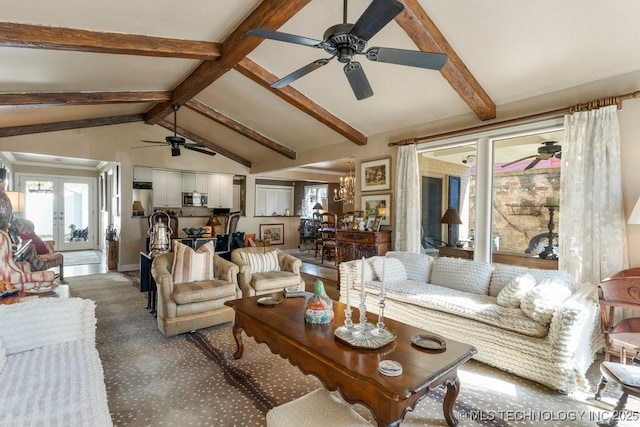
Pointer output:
x,y
167,188
220,191
195,182
142,174
273,199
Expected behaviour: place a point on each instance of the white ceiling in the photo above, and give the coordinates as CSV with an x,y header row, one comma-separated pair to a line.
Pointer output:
x,y
516,50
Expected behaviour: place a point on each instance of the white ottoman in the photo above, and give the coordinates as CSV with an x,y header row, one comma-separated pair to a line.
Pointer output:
x,y
315,409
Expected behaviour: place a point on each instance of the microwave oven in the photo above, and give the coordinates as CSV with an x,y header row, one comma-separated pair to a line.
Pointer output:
x,y
194,199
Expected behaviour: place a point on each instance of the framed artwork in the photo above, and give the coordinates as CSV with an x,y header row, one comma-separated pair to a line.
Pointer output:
x,y
272,232
378,205
375,175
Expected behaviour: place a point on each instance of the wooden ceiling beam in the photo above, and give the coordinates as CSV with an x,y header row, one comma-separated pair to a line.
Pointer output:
x,y
426,35
265,78
83,98
269,14
59,38
67,125
243,130
205,143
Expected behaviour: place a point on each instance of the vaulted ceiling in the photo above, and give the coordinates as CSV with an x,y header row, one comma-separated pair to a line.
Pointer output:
x,y
75,64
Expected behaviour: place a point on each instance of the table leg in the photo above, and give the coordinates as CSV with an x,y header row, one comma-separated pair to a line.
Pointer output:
x,y
237,335
453,388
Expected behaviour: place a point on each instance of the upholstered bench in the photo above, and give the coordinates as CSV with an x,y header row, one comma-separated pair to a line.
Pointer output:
x,y
318,408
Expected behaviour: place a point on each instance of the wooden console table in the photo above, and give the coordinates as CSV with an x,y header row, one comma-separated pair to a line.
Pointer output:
x,y
352,244
503,257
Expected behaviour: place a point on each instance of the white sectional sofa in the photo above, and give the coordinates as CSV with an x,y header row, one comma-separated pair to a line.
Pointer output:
x,y
50,371
538,324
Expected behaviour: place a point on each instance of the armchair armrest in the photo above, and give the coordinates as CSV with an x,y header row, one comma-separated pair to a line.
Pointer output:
x,y
289,262
225,270
244,273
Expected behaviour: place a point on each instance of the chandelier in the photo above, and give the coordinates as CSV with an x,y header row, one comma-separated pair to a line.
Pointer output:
x,y
347,191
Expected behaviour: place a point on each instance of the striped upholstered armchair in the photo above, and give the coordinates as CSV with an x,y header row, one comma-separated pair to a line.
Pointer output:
x,y
19,273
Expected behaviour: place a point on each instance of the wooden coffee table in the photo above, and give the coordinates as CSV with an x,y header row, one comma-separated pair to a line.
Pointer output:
x,y
354,371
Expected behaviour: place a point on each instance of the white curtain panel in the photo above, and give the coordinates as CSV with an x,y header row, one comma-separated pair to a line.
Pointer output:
x,y
407,200
592,232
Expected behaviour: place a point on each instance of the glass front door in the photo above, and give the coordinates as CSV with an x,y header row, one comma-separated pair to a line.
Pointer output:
x,y
62,210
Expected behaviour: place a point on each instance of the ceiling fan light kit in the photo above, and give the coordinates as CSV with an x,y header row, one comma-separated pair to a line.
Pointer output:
x,y
345,41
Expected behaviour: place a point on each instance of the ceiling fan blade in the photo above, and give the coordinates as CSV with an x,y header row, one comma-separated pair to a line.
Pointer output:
x,y
519,160
375,17
148,146
287,80
153,142
411,58
200,150
284,37
358,80
532,164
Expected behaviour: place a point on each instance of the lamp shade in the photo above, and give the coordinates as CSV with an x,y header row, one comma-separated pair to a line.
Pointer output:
x,y
451,217
317,206
382,212
17,200
635,214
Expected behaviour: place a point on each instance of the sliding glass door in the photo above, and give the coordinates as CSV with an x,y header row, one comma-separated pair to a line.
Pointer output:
x,y
62,209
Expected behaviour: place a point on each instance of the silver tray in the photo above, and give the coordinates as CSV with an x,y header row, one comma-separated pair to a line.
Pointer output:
x,y
269,301
367,340
429,342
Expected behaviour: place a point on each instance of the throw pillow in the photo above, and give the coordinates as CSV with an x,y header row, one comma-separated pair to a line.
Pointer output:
x,y
541,302
461,274
261,262
418,266
368,270
189,265
392,268
511,295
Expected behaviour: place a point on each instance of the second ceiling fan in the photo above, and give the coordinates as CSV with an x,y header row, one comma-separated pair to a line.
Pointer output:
x,y
345,41
176,141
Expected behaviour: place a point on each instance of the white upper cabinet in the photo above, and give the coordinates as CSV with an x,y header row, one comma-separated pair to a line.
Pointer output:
x,y
220,191
167,188
142,174
195,182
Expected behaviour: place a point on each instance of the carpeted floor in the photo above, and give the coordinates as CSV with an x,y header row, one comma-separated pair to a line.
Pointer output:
x,y
193,379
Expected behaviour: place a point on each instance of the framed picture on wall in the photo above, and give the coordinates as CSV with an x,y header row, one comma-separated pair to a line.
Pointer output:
x,y
378,205
272,232
375,175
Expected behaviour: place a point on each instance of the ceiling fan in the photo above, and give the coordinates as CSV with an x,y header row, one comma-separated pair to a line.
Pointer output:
x,y
548,150
176,141
345,40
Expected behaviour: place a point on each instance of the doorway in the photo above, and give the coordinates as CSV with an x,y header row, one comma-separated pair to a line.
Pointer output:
x,y
431,212
62,209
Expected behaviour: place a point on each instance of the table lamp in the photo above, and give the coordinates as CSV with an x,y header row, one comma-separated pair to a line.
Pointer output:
x,y
452,219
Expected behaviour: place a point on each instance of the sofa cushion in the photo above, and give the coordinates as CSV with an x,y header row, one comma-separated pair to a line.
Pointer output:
x,y
189,265
503,274
392,269
542,301
3,357
369,274
417,266
274,280
202,290
481,308
461,274
511,295
261,262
